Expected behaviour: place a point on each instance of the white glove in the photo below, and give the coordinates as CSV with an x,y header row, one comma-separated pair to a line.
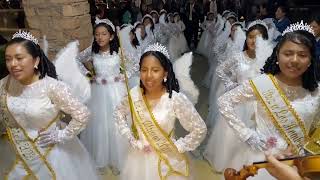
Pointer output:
x,y
136,144
257,142
51,137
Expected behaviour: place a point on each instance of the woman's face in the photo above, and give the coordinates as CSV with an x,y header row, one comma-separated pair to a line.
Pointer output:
x,y
102,36
251,39
176,18
294,59
20,64
152,73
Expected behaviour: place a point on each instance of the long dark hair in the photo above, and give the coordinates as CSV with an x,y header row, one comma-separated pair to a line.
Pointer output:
x,y
135,41
45,67
309,77
172,83
114,43
263,30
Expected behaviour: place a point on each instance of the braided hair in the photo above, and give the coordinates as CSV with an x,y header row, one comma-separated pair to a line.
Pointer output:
x,y
114,43
311,76
172,83
45,67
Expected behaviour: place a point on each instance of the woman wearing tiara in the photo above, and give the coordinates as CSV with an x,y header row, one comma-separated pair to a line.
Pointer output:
x,y
286,98
35,143
108,88
237,67
154,152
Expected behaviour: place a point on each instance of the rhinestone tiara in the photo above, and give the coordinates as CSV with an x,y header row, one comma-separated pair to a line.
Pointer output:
x,y
298,26
25,35
253,23
159,48
106,21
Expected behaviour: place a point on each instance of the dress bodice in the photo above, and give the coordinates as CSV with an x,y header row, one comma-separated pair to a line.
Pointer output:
x,y
166,111
36,105
106,65
304,102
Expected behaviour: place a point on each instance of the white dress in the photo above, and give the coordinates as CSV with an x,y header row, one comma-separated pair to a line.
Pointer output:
x,y
305,103
233,71
34,106
144,166
100,138
205,39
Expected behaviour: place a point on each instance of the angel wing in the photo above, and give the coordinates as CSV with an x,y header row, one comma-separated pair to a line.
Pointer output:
x,y
264,50
68,71
181,68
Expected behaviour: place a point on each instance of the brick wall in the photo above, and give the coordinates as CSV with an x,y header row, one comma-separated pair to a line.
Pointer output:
x,y
60,20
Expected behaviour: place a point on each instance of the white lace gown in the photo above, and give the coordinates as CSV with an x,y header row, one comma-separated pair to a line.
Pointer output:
x,y
205,39
100,138
144,166
233,71
34,106
305,103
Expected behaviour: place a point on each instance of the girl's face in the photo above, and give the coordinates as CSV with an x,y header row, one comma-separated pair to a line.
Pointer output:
x,y
233,31
176,18
251,39
294,59
152,73
131,36
210,17
142,30
147,21
102,36
20,64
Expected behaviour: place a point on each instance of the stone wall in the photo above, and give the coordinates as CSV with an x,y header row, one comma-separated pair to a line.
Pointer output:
x,y
60,20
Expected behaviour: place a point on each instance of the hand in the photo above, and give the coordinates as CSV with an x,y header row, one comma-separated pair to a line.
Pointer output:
x,y
48,138
286,153
147,149
280,170
117,79
93,80
104,81
257,142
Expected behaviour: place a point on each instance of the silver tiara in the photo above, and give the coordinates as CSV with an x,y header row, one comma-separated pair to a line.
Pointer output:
x,y
106,21
25,35
159,48
253,23
298,26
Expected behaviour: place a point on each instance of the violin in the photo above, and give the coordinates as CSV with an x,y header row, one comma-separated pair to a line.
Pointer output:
x,y
308,166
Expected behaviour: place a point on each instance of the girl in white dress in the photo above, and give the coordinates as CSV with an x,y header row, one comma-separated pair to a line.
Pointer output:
x,y
108,88
289,87
182,41
154,151
206,36
34,143
237,68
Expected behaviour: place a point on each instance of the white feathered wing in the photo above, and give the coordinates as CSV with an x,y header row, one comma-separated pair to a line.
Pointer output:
x,y
264,50
69,72
181,68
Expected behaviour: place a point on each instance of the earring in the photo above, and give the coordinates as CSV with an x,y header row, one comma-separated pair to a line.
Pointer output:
x,y
165,79
36,66
277,62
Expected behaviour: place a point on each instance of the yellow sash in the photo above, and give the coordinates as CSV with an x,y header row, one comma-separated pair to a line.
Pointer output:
x,y
158,139
283,115
26,150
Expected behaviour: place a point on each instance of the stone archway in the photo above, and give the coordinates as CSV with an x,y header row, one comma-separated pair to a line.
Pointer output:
x,y
61,21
